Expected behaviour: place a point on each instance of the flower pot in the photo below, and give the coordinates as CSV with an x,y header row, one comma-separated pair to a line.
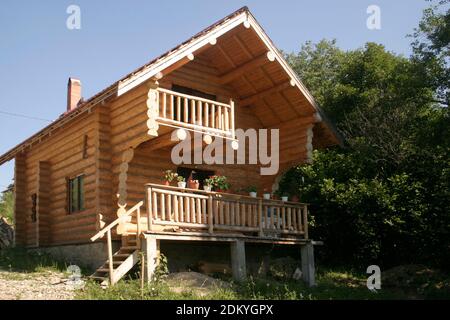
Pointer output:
x,y
253,194
266,196
284,198
193,185
182,184
166,183
207,188
295,199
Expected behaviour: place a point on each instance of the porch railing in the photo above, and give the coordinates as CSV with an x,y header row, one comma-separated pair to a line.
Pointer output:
x,y
211,211
183,110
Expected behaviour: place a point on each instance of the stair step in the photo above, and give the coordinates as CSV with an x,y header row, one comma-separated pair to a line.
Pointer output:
x,y
97,278
129,248
120,255
104,270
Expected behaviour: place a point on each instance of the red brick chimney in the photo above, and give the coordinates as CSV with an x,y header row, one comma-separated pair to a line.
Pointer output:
x,y
73,93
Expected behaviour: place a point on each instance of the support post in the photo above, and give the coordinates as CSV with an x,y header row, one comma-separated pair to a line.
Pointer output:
x,y
150,247
308,268
238,266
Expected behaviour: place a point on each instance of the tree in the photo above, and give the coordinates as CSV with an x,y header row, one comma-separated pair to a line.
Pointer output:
x,y
7,204
384,197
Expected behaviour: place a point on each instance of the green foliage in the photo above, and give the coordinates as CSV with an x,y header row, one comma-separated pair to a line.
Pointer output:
x,y
23,260
384,198
7,204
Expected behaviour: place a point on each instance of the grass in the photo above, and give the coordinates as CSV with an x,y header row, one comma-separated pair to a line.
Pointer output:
x,y
27,261
331,285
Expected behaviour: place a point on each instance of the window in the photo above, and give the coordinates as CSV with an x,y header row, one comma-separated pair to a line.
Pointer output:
x,y
33,207
75,194
191,92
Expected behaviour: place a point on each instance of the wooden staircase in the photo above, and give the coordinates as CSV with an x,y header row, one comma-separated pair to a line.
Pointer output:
x,y
121,262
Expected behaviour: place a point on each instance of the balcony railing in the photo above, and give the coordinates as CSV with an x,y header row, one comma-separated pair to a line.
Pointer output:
x,y
212,211
182,110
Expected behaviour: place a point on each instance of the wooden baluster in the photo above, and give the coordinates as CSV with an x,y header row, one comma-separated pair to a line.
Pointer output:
x,y
200,113
210,214
299,219
163,206
238,214
204,209
219,112
289,214
213,116
199,211
294,218
260,215
172,108
186,110
164,105
175,208
178,108
226,122
188,209
193,210
181,211
221,214
206,114
193,111
232,214
169,207
155,205
216,212
243,214
149,208
283,218
110,257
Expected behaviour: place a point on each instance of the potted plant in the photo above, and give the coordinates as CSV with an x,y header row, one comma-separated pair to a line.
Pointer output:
x,y
266,194
295,198
207,184
169,176
181,182
285,197
252,191
193,184
220,183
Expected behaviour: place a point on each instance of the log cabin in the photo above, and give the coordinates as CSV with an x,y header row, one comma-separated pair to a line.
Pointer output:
x,y
89,186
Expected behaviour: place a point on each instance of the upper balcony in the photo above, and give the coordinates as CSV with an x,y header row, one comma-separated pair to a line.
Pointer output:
x,y
197,114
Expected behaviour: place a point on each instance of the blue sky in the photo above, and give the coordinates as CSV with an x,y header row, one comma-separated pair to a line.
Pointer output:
x,y
38,53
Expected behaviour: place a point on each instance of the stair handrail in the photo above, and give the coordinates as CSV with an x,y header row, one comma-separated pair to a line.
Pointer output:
x,y
102,232
107,230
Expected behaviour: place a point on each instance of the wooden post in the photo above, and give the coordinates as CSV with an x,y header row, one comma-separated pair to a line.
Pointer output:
x,y
110,258
138,225
149,209
238,266
151,251
308,268
210,214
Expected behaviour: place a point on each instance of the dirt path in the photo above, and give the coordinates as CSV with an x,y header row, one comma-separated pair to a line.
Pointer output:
x,y
47,285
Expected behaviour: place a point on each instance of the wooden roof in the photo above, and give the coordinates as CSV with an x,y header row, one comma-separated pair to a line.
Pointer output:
x,y
247,61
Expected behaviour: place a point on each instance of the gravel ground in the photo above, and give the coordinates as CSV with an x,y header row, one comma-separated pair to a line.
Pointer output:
x,y
47,285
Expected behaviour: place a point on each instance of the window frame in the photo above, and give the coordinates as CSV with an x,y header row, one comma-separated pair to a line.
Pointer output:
x,y
80,195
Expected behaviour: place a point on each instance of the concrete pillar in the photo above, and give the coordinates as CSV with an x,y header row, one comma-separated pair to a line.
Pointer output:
x,y
238,266
150,247
308,268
